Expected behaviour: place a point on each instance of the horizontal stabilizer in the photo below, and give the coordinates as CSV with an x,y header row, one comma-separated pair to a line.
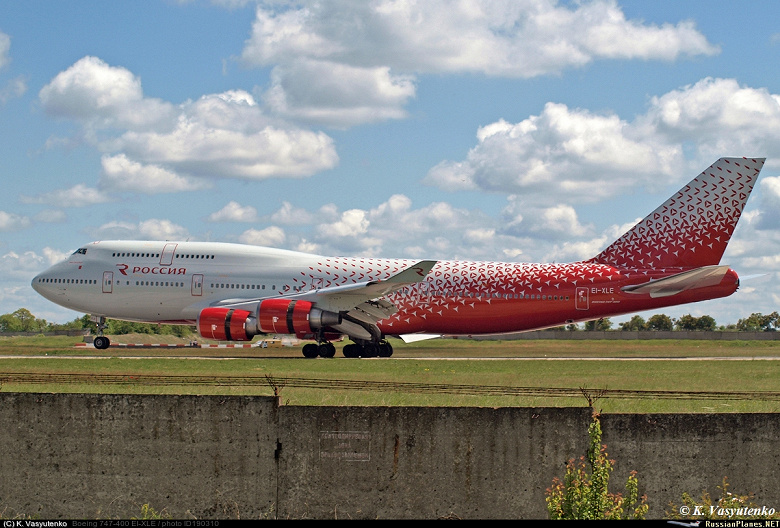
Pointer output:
x,y
411,338
674,284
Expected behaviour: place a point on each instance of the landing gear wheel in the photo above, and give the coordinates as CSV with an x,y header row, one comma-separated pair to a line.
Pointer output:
x,y
385,349
351,350
101,342
370,350
327,350
311,350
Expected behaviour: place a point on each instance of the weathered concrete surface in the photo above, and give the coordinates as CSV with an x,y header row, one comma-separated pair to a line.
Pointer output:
x,y
90,456
422,462
690,453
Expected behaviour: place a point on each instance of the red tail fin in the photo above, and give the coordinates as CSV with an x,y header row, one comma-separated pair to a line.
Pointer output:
x,y
693,227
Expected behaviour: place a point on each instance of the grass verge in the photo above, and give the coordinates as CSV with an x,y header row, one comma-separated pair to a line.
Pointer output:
x,y
663,376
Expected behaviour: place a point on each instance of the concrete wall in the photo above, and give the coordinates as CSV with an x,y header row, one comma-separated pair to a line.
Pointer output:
x,y
424,462
676,453
92,456
88,456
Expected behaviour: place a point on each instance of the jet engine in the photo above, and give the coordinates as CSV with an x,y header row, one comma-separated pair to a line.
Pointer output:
x,y
226,324
273,316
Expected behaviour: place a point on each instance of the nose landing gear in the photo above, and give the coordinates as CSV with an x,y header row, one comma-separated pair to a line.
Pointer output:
x,y
100,342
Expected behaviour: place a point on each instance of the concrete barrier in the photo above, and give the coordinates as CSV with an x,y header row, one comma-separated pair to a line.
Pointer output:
x,y
89,456
99,456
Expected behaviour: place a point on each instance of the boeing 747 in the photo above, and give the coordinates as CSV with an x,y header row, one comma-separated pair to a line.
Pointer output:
x,y
234,292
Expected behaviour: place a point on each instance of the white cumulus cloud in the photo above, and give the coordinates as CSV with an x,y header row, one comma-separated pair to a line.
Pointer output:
x,y
273,236
574,155
332,61
234,212
155,146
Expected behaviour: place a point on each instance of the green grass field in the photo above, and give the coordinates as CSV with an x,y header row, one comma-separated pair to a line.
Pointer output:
x,y
665,376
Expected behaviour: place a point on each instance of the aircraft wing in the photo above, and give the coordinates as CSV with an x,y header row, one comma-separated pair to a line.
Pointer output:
x,y
360,303
674,284
350,296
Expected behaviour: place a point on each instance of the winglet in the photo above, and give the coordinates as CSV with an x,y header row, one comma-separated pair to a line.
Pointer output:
x,y
414,273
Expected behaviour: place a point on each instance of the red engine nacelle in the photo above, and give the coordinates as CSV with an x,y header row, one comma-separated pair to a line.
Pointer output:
x,y
226,324
274,316
302,318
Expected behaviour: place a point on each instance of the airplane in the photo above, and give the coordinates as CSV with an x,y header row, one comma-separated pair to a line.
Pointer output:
x,y
234,292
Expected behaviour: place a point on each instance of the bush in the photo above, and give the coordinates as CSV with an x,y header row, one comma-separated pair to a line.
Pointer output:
x,y
729,506
583,496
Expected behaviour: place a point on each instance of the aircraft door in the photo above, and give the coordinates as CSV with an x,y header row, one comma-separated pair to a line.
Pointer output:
x,y
581,298
197,285
166,258
421,293
108,281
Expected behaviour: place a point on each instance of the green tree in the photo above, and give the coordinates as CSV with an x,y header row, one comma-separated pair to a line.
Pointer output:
x,y
25,318
635,323
117,327
758,322
686,322
9,323
584,494
705,323
22,321
598,324
689,322
660,322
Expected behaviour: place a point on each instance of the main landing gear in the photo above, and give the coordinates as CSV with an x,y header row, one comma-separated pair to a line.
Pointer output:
x,y
368,349
326,350
365,349
101,342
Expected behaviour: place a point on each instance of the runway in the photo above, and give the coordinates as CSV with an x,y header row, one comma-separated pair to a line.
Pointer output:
x,y
407,358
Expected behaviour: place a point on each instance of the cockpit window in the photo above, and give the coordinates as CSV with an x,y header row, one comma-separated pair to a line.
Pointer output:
x,y
80,251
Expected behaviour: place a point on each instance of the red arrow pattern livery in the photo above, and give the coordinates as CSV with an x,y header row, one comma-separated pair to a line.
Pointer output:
x,y
235,292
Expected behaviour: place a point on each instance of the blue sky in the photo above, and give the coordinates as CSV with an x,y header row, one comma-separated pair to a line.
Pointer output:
x,y
534,131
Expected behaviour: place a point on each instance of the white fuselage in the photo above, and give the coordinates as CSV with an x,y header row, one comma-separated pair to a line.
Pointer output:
x,y
169,282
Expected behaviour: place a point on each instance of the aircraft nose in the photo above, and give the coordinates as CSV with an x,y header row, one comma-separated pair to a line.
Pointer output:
x,y
43,283
36,283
